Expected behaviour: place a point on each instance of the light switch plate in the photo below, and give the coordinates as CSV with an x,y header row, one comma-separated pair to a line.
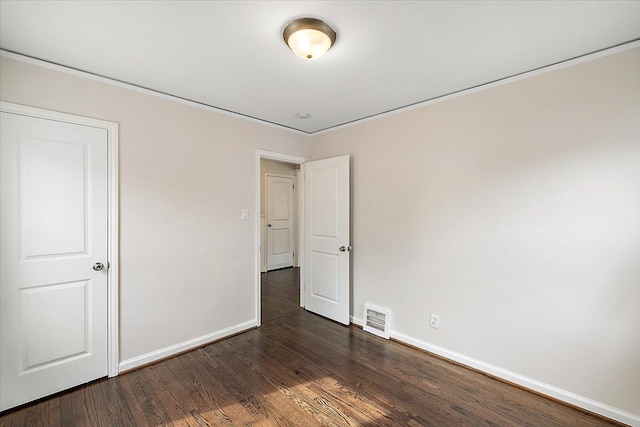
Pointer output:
x,y
245,214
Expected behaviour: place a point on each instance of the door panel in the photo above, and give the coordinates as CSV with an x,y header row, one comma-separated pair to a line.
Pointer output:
x,y
324,203
281,240
52,181
326,231
324,283
53,224
67,319
280,220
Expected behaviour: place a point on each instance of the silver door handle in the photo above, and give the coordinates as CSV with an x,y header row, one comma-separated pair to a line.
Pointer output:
x,y
98,266
344,248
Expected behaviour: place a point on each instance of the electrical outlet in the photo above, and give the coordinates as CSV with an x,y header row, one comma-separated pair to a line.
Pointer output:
x,y
435,321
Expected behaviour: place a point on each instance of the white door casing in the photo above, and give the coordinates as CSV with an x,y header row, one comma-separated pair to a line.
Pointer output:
x,y
263,242
57,327
296,219
300,231
280,221
327,247
272,155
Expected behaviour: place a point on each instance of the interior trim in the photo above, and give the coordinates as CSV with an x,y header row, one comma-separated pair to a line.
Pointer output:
x,y
140,89
488,85
530,384
172,350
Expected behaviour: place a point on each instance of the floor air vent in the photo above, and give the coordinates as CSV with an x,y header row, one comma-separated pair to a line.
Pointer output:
x,y
377,321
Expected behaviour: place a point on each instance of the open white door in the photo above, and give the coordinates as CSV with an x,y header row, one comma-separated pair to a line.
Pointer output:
x,y
53,263
327,249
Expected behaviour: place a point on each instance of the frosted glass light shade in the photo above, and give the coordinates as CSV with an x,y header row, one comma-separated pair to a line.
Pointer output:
x,y
309,44
309,38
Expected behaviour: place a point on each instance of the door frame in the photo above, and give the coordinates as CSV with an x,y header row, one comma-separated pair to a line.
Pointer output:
x,y
113,285
270,155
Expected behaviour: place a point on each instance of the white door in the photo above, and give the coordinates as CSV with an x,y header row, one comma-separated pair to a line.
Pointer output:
x,y
279,207
327,250
53,229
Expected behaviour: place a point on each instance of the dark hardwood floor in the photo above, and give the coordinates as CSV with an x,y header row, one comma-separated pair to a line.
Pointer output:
x,y
299,369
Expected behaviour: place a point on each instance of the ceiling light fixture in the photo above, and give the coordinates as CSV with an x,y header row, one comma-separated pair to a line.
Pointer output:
x,y
309,38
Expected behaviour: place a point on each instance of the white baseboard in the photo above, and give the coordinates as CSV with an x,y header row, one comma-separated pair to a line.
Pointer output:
x,y
153,356
529,383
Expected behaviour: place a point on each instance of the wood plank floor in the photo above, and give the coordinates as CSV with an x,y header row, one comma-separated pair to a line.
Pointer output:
x,y
299,369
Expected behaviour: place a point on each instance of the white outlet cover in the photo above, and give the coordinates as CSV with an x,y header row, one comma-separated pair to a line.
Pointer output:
x,y
435,321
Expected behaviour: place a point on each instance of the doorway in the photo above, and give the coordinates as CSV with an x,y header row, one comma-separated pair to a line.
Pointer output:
x,y
324,246
289,166
60,263
279,218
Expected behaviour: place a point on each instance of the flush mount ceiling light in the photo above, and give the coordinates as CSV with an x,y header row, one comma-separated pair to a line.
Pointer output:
x,y
309,38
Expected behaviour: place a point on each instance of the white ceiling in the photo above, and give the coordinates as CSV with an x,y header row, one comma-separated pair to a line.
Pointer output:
x,y
388,54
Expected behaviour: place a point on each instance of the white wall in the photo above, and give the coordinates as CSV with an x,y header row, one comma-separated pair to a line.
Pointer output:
x,y
514,214
187,259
